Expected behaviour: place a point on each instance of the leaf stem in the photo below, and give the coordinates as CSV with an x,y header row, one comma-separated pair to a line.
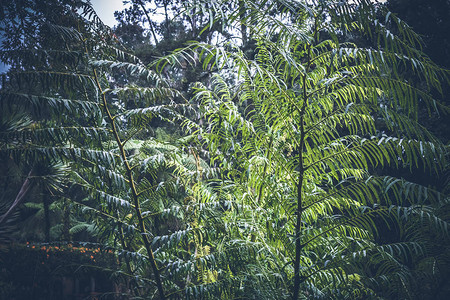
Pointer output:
x,y
134,192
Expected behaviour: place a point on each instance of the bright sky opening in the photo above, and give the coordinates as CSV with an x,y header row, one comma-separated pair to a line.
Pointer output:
x,y
106,8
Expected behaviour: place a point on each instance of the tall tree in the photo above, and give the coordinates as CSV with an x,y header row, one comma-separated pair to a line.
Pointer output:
x,y
309,121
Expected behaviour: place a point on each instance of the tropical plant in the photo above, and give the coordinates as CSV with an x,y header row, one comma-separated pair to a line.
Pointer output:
x,y
98,109
305,133
281,189
25,124
71,118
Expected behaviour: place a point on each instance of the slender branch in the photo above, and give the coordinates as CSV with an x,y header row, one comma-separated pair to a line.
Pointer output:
x,y
135,195
27,184
341,224
152,186
298,226
326,86
333,155
242,16
105,215
131,136
330,195
149,22
322,120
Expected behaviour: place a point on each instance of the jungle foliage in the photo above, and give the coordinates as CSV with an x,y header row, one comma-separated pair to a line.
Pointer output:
x,y
235,150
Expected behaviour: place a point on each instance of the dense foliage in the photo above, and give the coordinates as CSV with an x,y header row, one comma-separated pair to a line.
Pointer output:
x,y
235,150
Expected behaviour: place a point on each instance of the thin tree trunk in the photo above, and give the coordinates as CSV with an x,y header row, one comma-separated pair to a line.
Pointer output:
x,y
152,29
46,217
166,13
298,226
134,192
242,12
298,231
194,22
27,184
66,222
